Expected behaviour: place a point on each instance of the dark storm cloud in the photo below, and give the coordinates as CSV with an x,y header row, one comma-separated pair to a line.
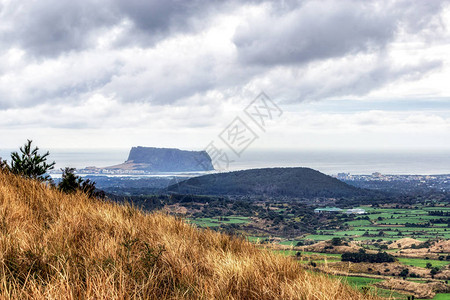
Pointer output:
x,y
295,31
56,57
153,19
48,28
315,30
52,27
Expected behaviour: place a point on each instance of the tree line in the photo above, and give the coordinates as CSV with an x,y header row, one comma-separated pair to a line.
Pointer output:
x,y
362,256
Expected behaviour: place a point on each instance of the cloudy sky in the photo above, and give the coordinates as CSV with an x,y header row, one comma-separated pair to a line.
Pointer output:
x,y
175,73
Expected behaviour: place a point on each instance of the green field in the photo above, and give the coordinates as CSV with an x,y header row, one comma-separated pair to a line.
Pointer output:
x,y
217,221
445,296
319,237
417,262
359,281
358,223
323,254
254,239
329,256
288,243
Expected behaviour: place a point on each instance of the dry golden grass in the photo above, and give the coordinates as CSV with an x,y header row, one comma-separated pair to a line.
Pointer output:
x,y
59,246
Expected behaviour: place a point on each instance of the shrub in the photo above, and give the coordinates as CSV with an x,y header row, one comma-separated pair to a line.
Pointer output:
x,y
71,183
299,243
404,272
434,271
336,241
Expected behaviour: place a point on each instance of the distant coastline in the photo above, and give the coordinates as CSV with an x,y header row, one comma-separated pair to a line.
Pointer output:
x,y
328,162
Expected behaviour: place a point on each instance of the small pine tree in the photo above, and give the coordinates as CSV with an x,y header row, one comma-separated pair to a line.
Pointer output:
x,y
71,183
30,164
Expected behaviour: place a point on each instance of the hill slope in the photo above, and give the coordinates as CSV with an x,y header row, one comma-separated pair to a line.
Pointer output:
x,y
69,246
293,182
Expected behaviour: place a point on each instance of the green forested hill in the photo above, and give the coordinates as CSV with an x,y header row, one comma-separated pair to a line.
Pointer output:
x,y
292,182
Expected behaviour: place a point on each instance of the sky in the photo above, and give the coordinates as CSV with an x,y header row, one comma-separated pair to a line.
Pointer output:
x,y
174,73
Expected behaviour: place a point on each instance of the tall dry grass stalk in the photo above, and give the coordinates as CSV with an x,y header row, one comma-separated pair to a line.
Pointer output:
x,y
59,246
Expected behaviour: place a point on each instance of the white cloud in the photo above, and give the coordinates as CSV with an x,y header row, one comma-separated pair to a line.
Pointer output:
x,y
181,76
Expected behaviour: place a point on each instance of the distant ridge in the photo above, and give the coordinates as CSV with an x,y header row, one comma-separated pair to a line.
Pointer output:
x,y
151,159
292,182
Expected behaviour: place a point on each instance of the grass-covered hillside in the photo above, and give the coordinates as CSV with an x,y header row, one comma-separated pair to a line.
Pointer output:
x,y
292,182
59,246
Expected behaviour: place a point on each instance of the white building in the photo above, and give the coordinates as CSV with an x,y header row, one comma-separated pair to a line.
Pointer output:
x,y
356,211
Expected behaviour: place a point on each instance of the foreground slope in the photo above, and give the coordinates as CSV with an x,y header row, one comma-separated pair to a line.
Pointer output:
x,y
293,182
68,246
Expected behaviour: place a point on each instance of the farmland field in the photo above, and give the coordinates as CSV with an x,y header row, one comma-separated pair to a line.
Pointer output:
x,y
360,281
217,221
445,296
417,262
392,224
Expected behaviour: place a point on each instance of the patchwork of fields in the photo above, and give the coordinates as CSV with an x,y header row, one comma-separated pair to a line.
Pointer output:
x,y
376,227
366,282
376,230
388,224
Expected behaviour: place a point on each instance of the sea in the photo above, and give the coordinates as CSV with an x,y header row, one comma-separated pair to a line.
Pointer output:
x,y
431,162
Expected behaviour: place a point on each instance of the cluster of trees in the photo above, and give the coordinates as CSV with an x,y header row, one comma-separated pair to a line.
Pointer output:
x,y
32,165
439,213
405,272
426,244
445,220
419,225
362,256
337,241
